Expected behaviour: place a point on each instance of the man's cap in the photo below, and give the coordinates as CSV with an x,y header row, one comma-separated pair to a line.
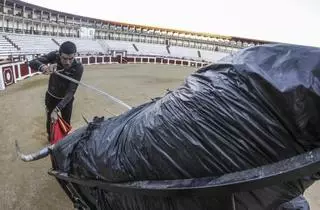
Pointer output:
x,y
68,48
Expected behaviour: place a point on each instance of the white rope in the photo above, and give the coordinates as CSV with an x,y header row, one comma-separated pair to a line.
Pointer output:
x,y
93,88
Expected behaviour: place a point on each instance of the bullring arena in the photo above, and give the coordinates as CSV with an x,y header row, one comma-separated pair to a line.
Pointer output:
x,y
134,63
27,185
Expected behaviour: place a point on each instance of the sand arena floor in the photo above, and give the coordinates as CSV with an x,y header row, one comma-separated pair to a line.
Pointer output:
x,y
27,185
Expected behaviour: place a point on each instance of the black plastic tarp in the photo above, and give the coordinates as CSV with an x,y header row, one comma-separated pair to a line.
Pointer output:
x,y
258,106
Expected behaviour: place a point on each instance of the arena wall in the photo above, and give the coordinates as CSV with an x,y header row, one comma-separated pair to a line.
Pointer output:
x,y
13,72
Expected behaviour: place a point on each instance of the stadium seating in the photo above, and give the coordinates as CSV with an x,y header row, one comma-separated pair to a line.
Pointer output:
x,y
151,49
6,48
120,46
184,52
33,43
211,55
38,44
85,46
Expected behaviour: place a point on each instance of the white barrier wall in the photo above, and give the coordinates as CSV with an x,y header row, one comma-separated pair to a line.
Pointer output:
x,y
13,72
137,59
2,87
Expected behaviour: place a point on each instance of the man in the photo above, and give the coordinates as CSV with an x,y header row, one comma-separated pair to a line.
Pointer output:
x,y
60,93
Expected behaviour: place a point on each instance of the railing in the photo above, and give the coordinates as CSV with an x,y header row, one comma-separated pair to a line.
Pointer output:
x,y
13,72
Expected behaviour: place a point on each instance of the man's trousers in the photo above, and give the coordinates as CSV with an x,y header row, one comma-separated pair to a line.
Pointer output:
x,y
51,103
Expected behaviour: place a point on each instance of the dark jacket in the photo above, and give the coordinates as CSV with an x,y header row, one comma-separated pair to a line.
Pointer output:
x,y
59,87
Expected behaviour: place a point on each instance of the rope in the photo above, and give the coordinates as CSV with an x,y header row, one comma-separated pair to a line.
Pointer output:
x,y
93,88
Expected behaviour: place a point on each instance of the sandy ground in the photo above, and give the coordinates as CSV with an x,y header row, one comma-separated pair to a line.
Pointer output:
x,y
27,185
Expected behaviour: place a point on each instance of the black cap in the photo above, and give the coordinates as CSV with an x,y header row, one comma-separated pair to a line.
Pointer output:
x,y
68,48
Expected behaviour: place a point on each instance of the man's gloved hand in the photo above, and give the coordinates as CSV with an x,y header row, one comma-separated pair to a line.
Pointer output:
x,y
54,114
49,69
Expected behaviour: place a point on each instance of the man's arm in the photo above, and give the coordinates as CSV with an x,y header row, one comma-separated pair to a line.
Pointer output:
x,y
39,63
72,88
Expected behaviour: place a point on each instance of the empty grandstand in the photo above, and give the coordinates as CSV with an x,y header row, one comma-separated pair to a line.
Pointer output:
x,y
28,29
